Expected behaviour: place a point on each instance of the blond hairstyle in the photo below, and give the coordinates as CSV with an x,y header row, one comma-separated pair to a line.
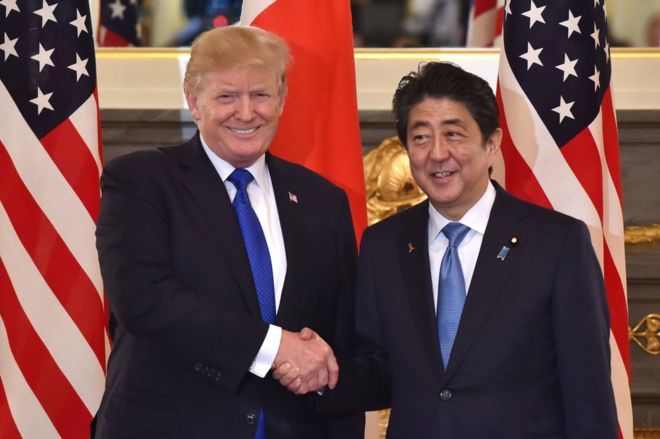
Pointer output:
x,y
236,47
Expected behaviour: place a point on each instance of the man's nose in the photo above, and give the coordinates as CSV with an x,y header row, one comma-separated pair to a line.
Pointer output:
x,y
439,151
244,108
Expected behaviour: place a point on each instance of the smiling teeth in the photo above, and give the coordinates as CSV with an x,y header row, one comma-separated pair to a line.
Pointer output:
x,y
243,130
443,174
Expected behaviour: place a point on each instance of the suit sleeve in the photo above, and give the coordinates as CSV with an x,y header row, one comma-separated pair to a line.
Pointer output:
x,y
582,332
133,240
351,424
344,337
364,379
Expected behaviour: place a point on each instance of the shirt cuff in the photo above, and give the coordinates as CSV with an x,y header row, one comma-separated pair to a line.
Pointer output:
x,y
267,353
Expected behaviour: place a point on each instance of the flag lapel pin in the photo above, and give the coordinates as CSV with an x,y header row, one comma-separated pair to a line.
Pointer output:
x,y
293,198
503,252
411,248
513,241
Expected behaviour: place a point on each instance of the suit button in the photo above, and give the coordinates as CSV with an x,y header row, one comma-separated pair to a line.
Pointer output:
x,y
251,418
198,367
445,395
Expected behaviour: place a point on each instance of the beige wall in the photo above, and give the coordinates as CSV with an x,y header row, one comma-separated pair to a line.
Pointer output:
x,y
628,19
151,78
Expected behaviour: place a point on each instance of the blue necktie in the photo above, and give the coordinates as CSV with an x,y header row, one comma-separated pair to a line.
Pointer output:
x,y
257,250
451,291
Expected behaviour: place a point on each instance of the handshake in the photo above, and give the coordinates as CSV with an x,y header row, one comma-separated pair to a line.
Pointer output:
x,y
305,362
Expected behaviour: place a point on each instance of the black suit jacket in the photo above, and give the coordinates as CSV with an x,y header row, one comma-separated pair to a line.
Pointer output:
x,y
185,318
531,356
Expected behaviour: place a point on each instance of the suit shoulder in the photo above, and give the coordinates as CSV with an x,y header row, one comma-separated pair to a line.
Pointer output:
x,y
414,216
550,223
312,181
549,215
142,160
140,169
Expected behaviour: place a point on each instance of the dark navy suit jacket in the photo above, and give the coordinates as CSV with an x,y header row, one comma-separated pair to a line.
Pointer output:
x,y
531,357
185,318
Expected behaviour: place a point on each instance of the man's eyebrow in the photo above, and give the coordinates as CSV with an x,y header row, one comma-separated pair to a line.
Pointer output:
x,y
425,123
456,121
420,123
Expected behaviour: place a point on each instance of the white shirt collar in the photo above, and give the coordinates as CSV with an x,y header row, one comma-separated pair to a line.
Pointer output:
x,y
224,169
476,218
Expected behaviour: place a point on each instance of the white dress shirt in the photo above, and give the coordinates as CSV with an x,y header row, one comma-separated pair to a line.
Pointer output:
x,y
468,250
262,199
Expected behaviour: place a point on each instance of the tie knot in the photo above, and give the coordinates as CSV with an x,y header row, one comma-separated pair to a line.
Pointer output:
x,y
240,178
455,232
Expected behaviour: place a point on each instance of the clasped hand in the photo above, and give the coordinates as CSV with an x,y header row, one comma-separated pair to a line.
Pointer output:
x,y
305,362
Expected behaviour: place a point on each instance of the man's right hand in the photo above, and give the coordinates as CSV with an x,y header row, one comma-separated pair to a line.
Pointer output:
x,y
305,362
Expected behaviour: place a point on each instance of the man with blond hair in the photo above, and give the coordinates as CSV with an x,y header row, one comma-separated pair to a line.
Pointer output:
x,y
214,253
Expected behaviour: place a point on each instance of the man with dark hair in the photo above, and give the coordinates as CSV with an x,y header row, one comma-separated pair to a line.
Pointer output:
x,y
478,315
444,80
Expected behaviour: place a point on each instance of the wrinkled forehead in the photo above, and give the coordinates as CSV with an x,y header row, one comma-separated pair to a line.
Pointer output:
x,y
241,77
440,110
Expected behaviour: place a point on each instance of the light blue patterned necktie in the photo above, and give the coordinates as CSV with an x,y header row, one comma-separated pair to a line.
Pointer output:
x,y
259,256
451,290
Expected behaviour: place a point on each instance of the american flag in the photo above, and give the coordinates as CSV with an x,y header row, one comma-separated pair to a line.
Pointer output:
x,y
485,22
120,25
52,336
560,143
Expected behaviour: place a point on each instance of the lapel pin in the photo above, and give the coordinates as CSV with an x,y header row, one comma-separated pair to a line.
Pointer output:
x,y
411,248
293,198
503,252
513,241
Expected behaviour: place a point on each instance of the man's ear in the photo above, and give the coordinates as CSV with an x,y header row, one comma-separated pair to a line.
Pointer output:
x,y
193,106
494,141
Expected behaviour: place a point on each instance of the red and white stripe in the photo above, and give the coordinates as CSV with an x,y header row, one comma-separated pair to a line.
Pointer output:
x,y
252,9
582,179
52,337
485,23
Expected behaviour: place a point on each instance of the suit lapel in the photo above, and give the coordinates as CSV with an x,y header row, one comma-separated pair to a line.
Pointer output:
x,y
413,255
207,189
292,224
490,273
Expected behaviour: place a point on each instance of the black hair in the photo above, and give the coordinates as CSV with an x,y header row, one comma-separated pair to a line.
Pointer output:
x,y
445,80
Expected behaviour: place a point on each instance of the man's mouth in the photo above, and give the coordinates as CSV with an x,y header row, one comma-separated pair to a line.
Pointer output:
x,y
442,174
243,131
